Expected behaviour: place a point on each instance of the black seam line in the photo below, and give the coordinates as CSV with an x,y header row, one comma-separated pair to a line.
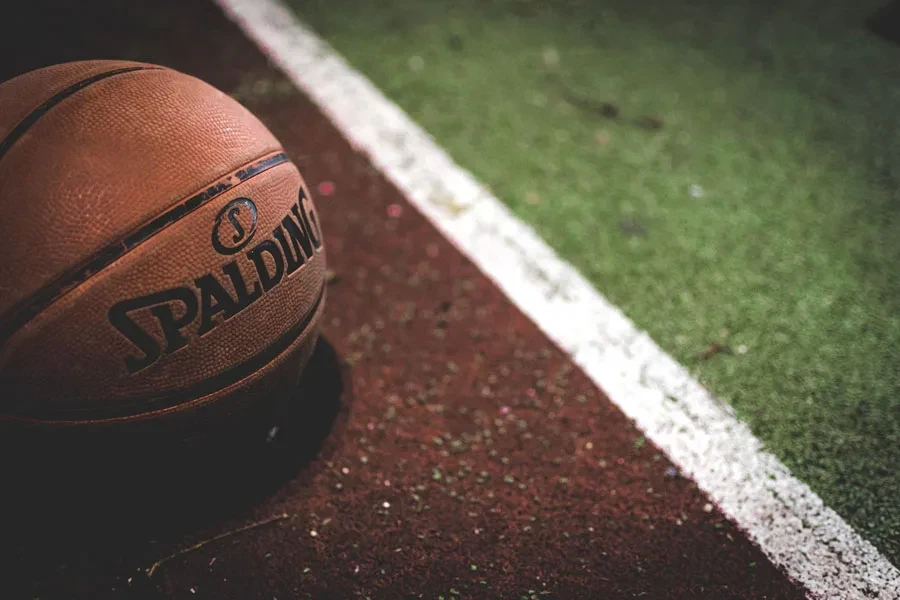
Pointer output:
x,y
32,118
195,391
30,307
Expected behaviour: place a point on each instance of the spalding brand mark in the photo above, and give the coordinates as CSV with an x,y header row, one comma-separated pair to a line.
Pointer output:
x,y
224,292
241,215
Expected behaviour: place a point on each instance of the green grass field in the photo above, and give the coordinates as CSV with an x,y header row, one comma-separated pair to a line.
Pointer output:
x,y
746,193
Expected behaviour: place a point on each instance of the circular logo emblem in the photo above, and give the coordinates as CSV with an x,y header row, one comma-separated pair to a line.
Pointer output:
x,y
235,226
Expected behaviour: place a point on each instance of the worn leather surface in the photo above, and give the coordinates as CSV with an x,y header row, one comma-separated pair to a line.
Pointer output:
x,y
28,91
87,175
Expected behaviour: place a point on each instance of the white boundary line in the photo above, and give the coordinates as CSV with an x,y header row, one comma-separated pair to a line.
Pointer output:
x,y
789,522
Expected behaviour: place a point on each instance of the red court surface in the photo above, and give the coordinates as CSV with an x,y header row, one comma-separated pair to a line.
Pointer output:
x,y
440,445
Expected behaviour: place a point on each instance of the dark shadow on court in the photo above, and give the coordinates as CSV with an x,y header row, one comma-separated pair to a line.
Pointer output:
x,y
73,516
885,22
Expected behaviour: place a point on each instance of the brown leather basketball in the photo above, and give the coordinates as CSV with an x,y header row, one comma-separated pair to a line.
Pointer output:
x,y
161,260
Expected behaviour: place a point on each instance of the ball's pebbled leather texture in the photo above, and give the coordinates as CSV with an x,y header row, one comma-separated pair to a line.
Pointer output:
x,y
113,176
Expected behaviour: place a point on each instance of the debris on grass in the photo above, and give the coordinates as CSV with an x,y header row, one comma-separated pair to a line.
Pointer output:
x,y
455,42
590,105
649,122
416,64
712,350
550,58
632,227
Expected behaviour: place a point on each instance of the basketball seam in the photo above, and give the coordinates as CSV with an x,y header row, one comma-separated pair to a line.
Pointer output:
x,y
25,310
47,105
187,396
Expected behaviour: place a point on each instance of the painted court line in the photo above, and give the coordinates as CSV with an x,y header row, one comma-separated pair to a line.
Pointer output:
x,y
782,515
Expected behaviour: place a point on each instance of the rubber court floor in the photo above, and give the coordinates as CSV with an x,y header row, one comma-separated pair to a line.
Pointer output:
x,y
439,445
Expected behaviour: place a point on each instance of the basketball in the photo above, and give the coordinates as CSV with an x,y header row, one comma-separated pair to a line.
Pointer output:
x,y
162,260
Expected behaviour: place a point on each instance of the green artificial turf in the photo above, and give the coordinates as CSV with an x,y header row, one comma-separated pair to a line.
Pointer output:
x,y
746,193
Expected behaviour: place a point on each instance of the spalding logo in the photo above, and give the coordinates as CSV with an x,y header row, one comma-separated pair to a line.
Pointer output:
x,y
241,215
224,291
